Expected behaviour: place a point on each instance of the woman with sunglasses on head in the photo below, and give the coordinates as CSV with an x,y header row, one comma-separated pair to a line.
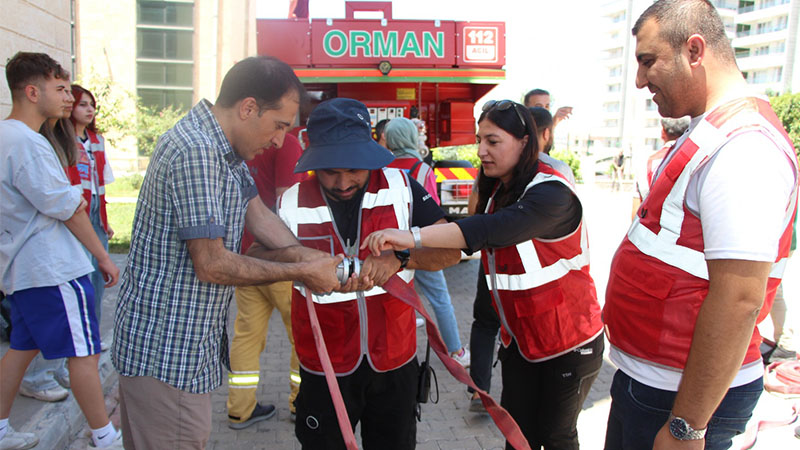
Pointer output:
x,y
536,259
95,172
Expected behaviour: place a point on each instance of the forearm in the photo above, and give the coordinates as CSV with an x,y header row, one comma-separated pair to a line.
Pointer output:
x,y
432,259
293,253
442,236
236,270
722,333
81,227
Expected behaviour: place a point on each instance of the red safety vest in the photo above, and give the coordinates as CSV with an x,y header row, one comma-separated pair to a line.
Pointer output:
x,y
655,160
354,324
96,145
659,276
542,290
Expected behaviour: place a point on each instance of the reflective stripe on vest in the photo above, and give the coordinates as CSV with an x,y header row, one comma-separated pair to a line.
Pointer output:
x,y
535,275
293,216
663,245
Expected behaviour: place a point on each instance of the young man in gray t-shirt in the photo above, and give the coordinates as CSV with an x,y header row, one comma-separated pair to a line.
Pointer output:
x,y
43,267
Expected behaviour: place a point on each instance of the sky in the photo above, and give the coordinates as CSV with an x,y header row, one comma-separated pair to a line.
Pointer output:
x,y
553,45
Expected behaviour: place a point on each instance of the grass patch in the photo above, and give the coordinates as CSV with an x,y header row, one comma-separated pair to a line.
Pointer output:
x,y
125,186
120,217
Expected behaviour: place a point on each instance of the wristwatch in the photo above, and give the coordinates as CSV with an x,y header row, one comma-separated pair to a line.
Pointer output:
x,y
682,431
403,256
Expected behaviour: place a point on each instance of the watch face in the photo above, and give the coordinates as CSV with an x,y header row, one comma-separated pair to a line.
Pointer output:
x,y
678,427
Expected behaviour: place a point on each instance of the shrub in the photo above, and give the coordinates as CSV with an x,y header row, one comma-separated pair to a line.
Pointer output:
x,y
571,159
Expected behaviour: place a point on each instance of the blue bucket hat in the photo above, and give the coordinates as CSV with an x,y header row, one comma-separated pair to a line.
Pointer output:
x,y
340,137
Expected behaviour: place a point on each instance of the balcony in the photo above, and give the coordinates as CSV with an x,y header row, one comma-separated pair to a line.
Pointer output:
x,y
759,14
756,62
754,38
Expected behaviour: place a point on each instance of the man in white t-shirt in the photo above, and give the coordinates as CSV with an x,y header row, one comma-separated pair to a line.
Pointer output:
x,y
705,253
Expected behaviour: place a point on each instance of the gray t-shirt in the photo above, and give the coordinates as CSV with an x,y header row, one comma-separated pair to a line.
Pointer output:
x,y
560,166
36,248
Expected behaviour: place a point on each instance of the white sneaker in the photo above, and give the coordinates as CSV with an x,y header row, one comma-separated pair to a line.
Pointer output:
x,y
62,378
14,440
55,394
420,322
462,357
116,444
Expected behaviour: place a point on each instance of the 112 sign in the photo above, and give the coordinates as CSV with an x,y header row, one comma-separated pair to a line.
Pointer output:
x,y
480,44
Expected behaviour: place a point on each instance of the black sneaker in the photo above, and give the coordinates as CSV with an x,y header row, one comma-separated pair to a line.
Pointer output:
x,y
782,354
259,413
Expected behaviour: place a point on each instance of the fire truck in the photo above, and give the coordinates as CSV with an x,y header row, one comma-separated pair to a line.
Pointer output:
x,y
438,68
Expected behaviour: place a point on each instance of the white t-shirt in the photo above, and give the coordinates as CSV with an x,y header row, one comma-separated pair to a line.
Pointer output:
x,y
741,197
108,174
36,248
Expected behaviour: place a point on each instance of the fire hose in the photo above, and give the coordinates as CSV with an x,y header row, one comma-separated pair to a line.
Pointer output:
x,y
405,293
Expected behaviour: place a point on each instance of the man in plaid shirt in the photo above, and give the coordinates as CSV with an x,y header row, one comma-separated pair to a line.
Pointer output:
x,y
170,338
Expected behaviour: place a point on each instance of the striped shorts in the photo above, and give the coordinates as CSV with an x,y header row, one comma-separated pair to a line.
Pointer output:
x,y
57,320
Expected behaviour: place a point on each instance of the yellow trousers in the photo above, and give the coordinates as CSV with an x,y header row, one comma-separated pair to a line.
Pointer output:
x,y
254,307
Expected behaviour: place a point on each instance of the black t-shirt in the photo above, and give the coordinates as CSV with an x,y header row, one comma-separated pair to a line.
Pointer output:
x,y
425,211
548,210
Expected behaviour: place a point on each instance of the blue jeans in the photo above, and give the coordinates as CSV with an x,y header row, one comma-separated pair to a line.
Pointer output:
x,y
434,288
98,283
639,411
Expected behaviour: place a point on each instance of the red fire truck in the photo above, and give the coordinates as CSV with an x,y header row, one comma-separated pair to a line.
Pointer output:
x,y
438,67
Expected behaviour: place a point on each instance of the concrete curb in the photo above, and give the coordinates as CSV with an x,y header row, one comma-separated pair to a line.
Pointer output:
x,y
56,423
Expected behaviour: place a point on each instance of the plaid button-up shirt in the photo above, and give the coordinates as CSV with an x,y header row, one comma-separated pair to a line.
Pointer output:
x,y
170,325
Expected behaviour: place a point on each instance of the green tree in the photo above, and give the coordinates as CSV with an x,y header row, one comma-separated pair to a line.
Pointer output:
x,y
121,114
571,159
787,107
152,123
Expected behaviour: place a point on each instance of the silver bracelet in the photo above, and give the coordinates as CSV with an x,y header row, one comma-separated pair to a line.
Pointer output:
x,y
417,237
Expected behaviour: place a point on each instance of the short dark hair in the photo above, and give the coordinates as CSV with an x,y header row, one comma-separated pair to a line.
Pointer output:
x,y
679,19
542,118
264,78
533,92
379,127
26,68
674,128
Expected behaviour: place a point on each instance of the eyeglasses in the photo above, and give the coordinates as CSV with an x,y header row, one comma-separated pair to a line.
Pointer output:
x,y
502,105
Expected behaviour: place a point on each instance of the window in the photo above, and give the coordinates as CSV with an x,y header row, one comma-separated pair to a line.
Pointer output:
x,y
164,74
763,50
652,143
615,53
164,44
650,105
618,18
650,123
615,71
614,87
611,106
164,13
165,53
164,97
611,123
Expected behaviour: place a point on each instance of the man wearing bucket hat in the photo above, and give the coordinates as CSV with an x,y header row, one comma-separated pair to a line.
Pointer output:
x,y
370,335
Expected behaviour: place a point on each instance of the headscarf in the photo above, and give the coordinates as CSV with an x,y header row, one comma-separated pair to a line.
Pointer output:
x,y
402,137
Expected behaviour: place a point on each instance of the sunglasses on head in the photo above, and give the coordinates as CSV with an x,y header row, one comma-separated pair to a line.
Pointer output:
x,y
502,105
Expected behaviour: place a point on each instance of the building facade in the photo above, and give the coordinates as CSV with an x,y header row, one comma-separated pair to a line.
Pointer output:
x,y
34,26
